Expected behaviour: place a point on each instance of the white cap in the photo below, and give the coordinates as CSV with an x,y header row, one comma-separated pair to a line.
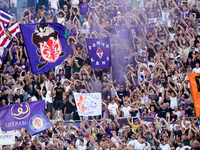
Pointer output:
x,y
118,12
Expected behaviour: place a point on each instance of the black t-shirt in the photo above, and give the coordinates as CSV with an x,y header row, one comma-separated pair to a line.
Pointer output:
x,y
99,136
155,108
69,107
121,94
178,132
189,111
18,96
59,93
75,115
162,113
67,72
5,97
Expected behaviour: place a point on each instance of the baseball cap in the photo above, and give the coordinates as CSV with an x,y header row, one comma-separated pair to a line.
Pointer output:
x,y
118,12
71,121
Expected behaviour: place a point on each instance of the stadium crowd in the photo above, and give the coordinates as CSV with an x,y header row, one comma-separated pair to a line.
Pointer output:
x,y
154,44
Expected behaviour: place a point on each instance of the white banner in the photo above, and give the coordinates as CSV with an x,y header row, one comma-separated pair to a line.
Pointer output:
x,y
7,137
88,104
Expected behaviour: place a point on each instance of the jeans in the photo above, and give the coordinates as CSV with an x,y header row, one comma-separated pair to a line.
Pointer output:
x,y
68,116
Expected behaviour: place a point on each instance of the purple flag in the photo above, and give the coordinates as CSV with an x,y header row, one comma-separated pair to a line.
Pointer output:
x,y
15,116
45,44
38,123
99,52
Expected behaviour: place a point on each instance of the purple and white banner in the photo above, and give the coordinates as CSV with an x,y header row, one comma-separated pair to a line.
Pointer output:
x,y
88,104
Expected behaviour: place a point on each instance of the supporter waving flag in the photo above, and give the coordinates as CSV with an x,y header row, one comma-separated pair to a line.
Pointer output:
x,y
45,44
5,17
99,52
14,29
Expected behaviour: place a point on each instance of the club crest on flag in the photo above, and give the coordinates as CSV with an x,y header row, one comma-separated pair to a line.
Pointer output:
x,y
20,111
45,44
85,105
15,116
47,41
37,122
88,104
99,53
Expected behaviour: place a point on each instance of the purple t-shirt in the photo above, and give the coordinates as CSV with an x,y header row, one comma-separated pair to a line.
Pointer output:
x,y
108,131
83,9
24,66
112,13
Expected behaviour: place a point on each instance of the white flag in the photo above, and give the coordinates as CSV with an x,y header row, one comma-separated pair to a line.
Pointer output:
x,y
88,104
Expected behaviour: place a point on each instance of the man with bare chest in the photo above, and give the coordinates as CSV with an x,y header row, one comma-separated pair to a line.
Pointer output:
x,y
86,67
70,60
172,65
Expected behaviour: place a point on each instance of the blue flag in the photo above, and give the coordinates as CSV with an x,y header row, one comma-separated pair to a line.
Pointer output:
x,y
15,116
45,44
99,52
38,123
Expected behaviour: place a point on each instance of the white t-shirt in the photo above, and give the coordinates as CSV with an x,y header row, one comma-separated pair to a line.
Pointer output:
x,y
131,143
114,140
139,146
67,88
48,97
126,110
151,63
61,20
178,113
46,84
78,142
81,147
87,24
144,99
165,147
183,148
15,90
54,4
75,2
195,70
33,99
113,108
172,35
173,102
163,16
185,51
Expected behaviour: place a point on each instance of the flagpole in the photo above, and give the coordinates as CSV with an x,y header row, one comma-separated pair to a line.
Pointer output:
x,y
9,5
111,71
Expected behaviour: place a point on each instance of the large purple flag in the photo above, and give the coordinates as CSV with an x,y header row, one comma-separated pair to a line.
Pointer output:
x,y
15,116
99,52
45,44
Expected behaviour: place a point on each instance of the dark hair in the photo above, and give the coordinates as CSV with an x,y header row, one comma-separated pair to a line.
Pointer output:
x,y
58,84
